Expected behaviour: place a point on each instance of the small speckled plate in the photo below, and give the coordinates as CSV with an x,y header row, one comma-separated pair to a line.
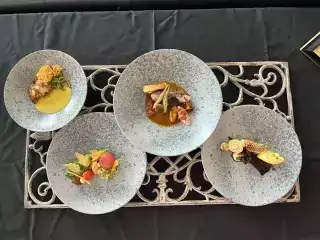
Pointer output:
x,y
87,132
19,80
187,71
242,183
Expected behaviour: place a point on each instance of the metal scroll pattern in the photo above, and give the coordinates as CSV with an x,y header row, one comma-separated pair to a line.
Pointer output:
x,y
170,181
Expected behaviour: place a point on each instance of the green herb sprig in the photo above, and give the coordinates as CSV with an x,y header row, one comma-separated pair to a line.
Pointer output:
x,y
70,176
59,82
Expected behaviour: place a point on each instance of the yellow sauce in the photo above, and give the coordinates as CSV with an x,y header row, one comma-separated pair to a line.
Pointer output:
x,y
55,101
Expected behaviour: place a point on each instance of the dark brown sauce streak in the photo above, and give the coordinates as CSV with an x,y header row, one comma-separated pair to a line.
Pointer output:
x,y
160,118
252,158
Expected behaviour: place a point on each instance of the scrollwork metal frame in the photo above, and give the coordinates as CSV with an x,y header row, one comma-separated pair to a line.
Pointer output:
x,y
268,74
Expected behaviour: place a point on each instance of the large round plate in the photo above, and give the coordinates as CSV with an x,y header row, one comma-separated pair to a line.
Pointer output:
x,y
19,80
91,131
240,182
175,66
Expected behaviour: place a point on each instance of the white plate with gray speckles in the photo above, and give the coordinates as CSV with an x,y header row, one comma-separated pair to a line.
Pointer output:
x,y
19,80
242,183
187,71
87,132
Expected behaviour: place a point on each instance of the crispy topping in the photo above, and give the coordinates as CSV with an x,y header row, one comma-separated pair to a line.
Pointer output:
x,y
56,70
235,146
45,74
254,147
42,84
154,87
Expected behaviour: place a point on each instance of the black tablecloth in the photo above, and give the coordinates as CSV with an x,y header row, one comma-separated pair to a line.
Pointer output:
x,y
119,37
19,6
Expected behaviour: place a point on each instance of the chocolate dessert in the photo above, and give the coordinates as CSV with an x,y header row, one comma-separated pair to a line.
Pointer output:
x,y
256,154
257,163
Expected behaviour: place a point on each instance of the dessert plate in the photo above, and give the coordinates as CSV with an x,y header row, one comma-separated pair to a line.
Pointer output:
x,y
242,183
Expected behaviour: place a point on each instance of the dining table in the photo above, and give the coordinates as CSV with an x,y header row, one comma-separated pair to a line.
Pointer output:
x,y
118,37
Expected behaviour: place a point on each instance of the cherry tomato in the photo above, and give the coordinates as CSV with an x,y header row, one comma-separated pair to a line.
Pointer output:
x,y
87,175
106,160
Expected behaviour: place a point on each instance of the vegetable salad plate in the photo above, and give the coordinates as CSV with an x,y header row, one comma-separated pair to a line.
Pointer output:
x,y
167,102
92,167
254,157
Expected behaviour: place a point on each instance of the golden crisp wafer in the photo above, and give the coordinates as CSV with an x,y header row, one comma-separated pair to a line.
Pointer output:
x,y
235,146
254,147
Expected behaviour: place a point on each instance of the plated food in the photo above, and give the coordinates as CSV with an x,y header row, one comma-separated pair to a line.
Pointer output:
x,y
186,77
97,162
263,139
45,90
50,90
114,183
167,103
254,153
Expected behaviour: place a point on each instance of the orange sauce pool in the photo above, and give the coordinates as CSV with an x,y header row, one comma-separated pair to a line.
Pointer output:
x,y
160,118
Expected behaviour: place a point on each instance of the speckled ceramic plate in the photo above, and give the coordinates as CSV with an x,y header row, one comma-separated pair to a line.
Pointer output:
x,y
87,132
240,182
18,103
167,65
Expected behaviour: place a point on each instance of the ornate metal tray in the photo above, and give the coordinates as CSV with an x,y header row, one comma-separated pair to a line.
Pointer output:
x,y
169,180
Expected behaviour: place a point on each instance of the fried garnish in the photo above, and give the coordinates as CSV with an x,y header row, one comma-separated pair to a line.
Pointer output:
x,y
224,147
56,70
154,87
235,146
254,147
45,74
42,84
173,114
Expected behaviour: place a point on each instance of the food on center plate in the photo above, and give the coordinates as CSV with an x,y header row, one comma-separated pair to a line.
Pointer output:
x,y
50,91
98,162
257,154
167,104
